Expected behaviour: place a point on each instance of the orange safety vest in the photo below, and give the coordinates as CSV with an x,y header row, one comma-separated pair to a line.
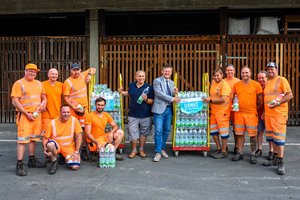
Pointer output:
x,y
30,100
77,94
64,140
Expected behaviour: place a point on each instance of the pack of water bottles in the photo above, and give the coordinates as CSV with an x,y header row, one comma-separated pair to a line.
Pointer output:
x,y
191,127
107,157
112,98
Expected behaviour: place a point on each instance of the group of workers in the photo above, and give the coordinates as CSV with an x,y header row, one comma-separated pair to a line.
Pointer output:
x,y
69,131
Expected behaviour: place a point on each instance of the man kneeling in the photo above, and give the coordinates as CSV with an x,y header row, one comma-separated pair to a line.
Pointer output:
x,y
63,135
96,122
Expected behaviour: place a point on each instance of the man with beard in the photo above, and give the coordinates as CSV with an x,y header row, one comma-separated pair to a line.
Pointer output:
x,y
63,135
277,95
95,124
219,100
249,94
28,96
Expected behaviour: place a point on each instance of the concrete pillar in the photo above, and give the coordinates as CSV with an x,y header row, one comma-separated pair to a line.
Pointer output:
x,y
94,42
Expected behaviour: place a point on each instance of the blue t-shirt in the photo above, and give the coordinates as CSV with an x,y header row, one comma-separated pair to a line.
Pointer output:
x,y
139,110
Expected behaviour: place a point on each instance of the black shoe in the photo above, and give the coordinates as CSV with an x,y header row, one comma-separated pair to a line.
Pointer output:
x,y
281,168
119,157
20,169
220,155
84,155
270,156
235,151
61,159
35,163
272,162
258,153
237,157
53,168
253,159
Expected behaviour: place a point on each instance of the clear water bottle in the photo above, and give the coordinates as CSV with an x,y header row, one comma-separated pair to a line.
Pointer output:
x,y
112,158
140,99
102,158
235,105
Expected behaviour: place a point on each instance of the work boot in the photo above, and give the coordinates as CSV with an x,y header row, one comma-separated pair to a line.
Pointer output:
x,y
119,157
61,159
84,155
270,156
94,156
272,162
253,159
258,153
237,157
213,154
47,160
220,155
235,151
281,168
20,169
53,168
35,163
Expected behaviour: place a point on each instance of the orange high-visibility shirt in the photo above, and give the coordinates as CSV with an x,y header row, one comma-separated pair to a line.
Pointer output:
x,y
63,132
275,87
247,95
53,94
76,89
29,93
98,123
216,91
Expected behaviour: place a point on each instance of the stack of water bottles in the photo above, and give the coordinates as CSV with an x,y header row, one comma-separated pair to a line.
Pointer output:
x,y
107,157
191,129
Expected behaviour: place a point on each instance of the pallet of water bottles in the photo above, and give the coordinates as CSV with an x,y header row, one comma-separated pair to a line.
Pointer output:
x,y
107,156
113,106
190,130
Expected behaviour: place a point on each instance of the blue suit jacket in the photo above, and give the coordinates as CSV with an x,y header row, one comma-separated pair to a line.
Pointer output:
x,y
161,98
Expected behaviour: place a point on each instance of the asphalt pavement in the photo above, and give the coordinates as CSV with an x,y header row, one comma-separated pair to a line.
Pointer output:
x,y
188,176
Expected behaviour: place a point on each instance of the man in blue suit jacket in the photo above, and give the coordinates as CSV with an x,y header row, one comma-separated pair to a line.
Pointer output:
x,y
164,91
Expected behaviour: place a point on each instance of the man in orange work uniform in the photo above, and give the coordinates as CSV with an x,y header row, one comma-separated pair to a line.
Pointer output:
x,y
219,100
95,129
232,80
63,135
75,95
249,94
53,90
277,95
28,96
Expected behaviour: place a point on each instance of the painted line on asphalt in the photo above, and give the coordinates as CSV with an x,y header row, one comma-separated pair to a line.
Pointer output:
x,y
127,142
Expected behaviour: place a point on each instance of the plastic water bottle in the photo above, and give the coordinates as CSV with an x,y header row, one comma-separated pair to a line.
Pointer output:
x,y
140,99
102,158
112,158
235,105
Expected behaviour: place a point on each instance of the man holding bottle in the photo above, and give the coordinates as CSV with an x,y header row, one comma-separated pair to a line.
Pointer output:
x,y
139,118
277,95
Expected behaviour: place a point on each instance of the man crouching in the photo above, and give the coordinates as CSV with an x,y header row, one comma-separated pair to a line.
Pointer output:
x,y
63,135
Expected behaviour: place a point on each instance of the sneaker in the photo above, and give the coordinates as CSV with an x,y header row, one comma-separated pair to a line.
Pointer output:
x,y
281,168
215,153
61,159
270,156
220,155
253,159
84,155
237,157
164,154
20,169
53,168
35,163
119,157
258,153
157,157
